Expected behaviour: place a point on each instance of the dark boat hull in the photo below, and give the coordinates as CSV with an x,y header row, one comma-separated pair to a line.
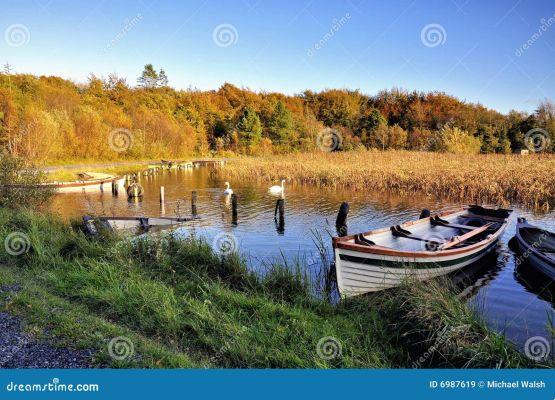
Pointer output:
x,y
531,253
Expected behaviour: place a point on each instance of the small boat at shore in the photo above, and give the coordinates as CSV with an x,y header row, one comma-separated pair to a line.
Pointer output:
x,y
423,249
138,224
87,182
537,247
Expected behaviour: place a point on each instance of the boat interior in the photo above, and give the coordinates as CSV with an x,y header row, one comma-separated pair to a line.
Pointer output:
x,y
456,230
541,240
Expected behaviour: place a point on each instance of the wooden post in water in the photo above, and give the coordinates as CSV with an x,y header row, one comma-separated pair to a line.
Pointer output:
x,y
280,210
234,209
194,203
162,197
341,221
115,188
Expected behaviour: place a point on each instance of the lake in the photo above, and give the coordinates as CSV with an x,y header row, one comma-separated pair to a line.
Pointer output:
x,y
515,303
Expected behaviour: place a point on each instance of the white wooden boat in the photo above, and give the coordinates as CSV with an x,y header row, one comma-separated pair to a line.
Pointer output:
x,y
137,224
423,249
88,182
537,246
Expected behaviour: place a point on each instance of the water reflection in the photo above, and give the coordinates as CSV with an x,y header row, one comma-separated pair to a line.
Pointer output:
x,y
507,302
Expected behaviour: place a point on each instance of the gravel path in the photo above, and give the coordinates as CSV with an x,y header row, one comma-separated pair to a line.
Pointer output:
x,y
19,349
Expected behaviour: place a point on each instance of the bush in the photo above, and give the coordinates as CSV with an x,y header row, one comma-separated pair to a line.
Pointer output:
x,y
454,140
21,184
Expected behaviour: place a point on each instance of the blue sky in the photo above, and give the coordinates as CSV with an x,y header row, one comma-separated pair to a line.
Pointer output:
x,y
290,46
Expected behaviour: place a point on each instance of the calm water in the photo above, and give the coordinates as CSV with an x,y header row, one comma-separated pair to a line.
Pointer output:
x,y
514,303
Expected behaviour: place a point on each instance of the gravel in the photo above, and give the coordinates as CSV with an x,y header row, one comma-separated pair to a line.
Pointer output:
x,y
19,349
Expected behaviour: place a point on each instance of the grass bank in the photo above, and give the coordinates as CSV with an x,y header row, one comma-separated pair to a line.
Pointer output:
x,y
494,178
181,305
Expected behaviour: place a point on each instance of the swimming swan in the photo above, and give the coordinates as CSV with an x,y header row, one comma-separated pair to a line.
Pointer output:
x,y
278,189
228,190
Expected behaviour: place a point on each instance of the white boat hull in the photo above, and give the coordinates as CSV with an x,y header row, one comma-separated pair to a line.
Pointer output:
x,y
371,273
389,260
89,188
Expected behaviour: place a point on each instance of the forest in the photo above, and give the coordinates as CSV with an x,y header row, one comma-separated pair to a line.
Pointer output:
x,y
52,120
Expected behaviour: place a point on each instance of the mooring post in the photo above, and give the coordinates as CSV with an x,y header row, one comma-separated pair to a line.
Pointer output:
x,y
280,212
115,188
341,221
162,195
234,209
194,203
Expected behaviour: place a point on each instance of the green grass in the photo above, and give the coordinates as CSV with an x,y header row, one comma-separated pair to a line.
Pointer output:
x,y
181,305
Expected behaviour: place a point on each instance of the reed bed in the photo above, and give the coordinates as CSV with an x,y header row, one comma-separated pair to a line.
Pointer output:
x,y
486,178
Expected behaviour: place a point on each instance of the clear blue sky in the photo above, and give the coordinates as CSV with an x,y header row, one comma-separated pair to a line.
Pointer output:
x,y
378,46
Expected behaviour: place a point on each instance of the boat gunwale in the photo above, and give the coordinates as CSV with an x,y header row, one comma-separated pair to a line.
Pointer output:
x,y
530,247
88,182
342,242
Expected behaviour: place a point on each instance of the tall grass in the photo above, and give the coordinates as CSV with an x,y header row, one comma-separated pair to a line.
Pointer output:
x,y
493,178
183,305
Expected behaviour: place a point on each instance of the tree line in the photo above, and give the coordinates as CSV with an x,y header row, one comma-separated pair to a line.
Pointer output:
x,y
50,119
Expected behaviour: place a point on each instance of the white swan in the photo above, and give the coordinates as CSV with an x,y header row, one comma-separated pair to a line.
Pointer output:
x,y
278,189
228,190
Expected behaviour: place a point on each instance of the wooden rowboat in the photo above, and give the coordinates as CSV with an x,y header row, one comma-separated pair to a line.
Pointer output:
x,y
137,224
423,249
88,182
537,247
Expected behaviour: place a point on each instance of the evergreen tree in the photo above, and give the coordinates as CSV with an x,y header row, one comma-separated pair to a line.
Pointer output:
x,y
249,128
280,125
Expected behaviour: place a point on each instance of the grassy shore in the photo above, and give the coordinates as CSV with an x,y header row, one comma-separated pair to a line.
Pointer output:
x,y
499,179
182,305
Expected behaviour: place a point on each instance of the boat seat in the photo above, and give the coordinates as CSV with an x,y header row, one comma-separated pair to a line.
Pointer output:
x,y
397,231
456,240
436,221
